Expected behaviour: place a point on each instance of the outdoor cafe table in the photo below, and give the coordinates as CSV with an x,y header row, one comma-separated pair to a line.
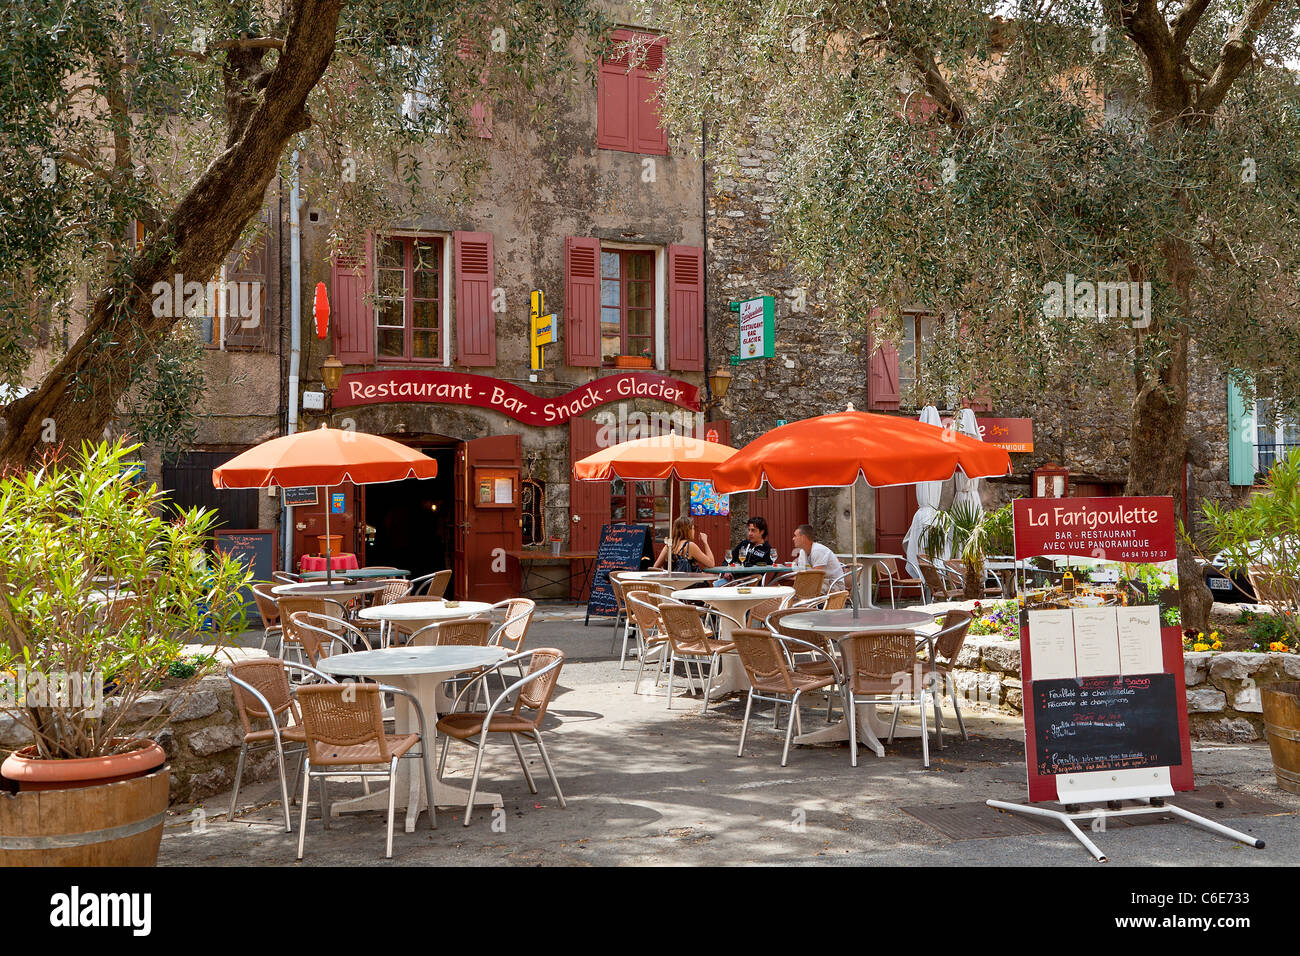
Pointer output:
x,y
731,601
835,625
420,670
735,570
343,590
422,613
666,577
358,574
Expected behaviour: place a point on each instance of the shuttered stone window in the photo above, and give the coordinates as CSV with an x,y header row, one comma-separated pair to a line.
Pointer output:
x,y
627,113
408,298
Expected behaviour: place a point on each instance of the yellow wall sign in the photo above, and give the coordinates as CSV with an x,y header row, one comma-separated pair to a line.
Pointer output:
x,y
541,328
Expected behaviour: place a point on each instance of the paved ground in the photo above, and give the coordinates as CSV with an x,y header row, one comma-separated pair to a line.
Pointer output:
x,y
646,785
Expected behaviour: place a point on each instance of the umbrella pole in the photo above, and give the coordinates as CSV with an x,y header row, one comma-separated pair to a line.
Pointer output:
x,y
329,562
853,517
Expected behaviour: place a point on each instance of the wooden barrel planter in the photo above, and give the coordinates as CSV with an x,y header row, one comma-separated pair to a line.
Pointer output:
x,y
93,811
1282,723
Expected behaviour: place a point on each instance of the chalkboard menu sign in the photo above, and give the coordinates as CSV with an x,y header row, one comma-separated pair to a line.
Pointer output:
x,y
256,548
622,548
294,497
1105,723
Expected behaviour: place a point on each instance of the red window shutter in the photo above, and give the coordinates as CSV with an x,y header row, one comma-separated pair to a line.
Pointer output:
x,y
614,99
884,378
581,301
476,329
352,316
686,308
649,133
481,115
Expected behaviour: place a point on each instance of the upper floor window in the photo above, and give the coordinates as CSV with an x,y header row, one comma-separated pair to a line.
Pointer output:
x,y
918,332
408,298
627,111
627,304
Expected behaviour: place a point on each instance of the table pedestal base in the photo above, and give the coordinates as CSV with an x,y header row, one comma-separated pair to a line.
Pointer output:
x,y
871,729
410,779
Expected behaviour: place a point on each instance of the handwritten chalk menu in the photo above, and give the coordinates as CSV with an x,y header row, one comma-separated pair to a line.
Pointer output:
x,y
622,546
255,548
1105,723
1101,664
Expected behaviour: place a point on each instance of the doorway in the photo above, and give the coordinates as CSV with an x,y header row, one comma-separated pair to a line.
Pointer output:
x,y
414,520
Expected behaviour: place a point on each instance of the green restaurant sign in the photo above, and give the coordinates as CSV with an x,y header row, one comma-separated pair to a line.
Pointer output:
x,y
757,327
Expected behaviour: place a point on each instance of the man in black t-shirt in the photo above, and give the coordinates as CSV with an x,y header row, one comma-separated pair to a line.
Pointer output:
x,y
755,549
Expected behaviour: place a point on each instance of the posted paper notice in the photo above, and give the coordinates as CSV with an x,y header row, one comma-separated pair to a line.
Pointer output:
x,y
1140,650
1096,641
1051,644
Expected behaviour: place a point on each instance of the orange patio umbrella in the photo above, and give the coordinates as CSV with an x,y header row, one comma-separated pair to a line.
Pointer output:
x,y
323,457
657,458
834,450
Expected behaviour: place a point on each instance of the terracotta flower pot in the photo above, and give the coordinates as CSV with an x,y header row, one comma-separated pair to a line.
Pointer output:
x,y
34,773
632,361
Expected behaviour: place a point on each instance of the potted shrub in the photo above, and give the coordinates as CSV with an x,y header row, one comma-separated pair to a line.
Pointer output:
x,y
973,534
101,587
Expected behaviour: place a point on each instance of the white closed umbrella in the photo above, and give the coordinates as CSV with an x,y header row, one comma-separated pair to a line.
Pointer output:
x,y
928,494
967,489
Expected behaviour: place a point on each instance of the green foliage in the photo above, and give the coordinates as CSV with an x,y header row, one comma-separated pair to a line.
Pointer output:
x,y
1054,159
1262,537
66,530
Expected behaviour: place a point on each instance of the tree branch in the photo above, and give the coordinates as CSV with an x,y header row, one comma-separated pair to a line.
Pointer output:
x,y
1185,23
1237,52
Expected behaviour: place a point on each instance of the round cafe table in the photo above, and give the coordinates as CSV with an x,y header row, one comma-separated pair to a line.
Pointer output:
x,y
667,577
358,574
421,613
420,670
343,589
835,625
867,583
733,602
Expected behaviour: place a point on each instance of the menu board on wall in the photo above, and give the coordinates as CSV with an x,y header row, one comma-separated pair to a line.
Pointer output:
x,y
1101,660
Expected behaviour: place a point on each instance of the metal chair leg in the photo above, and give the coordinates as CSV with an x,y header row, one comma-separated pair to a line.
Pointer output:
x,y
744,727
528,776
789,725
284,789
392,805
853,731
938,718
442,762
325,802
478,765
961,724
708,687
425,756
550,771
894,722
925,733
306,791
239,774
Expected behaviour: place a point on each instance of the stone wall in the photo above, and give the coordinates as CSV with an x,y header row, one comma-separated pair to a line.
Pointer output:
x,y
1223,699
201,737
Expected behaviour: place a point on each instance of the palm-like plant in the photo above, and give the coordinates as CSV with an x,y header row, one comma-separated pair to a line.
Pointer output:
x,y
973,534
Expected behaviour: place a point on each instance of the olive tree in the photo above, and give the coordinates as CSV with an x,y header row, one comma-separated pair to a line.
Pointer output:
x,y
176,115
1093,193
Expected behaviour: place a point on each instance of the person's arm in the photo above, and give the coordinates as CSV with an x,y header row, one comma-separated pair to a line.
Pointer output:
x,y
703,553
663,555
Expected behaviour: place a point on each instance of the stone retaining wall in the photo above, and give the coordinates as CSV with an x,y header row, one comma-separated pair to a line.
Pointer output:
x,y
201,737
1223,698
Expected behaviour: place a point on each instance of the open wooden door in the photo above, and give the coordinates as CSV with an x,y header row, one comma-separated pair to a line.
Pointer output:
x,y
487,518
588,502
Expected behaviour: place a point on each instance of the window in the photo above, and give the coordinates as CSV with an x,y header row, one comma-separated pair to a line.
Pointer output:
x,y
640,502
1274,439
408,298
916,329
627,114
627,304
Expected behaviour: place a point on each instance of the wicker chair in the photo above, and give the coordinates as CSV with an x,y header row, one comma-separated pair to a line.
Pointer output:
x,y
643,606
689,641
758,614
936,581
533,692
321,635
620,602
269,611
344,729
431,585
883,666
943,647
773,678
806,583
262,693
286,577
898,579
394,588
814,665
289,606
957,569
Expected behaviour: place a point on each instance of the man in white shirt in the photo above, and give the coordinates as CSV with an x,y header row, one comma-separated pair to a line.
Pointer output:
x,y
810,554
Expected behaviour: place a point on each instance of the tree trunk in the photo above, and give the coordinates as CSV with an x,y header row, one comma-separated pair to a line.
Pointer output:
x,y
1157,453
77,399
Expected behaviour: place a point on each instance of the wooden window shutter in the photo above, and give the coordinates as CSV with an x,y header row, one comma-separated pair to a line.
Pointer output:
x,y
649,134
1241,433
476,333
581,301
615,88
480,110
884,394
588,500
686,308
353,317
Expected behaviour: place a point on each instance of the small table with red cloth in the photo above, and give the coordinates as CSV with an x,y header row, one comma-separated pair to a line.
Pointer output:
x,y
338,562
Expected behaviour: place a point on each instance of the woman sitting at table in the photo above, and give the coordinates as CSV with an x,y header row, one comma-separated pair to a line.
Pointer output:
x,y
687,555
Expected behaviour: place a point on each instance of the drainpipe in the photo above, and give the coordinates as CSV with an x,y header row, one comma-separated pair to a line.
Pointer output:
x,y
295,346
